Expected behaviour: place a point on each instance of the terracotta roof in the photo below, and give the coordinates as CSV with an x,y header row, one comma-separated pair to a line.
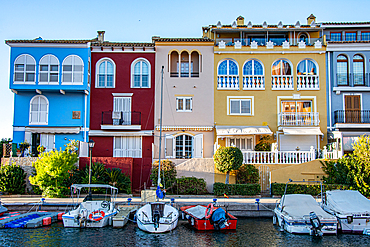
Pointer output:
x,y
42,41
346,23
121,44
342,42
184,40
257,26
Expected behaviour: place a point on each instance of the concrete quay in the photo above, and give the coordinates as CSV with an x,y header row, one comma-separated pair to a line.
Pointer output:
x,y
237,206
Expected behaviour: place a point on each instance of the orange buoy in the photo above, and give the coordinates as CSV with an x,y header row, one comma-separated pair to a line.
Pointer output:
x,y
60,216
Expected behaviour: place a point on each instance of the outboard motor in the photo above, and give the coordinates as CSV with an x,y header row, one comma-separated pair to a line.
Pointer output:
x,y
218,219
316,225
156,217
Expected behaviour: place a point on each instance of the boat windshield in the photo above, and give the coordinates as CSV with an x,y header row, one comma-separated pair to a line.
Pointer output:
x,y
95,197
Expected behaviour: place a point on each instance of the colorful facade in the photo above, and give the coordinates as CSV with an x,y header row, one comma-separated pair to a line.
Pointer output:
x,y
348,54
122,105
50,82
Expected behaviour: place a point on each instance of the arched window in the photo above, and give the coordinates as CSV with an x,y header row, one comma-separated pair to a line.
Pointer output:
x,y
140,73
227,75
282,78
49,69
24,69
253,75
358,70
39,107
184,147
307,75
73,70
342,70
105,70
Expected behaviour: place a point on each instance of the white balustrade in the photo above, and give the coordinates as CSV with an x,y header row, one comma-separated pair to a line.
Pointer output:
x,y
308,82
282,82
278,157
253,82
228,82
298,119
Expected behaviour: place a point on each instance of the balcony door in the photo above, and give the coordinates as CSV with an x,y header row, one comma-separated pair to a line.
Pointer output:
x,y
295,113
121,111
352,108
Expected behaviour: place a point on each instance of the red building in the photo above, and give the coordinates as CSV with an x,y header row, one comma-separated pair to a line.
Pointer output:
x,y
122,106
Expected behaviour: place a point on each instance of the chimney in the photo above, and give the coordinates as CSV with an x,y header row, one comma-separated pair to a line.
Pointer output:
x,y
240,21
310,19
101,36
155,38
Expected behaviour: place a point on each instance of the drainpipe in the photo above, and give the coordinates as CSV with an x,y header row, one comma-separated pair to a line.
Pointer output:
x,y
85,128
329,91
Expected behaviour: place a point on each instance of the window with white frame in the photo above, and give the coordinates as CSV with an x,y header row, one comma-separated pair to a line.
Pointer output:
x,y
39,107
184,147
140,73
49,69
73,70
253,67
184,104
105,70
243,143
24,69
127,146
240,106
47,141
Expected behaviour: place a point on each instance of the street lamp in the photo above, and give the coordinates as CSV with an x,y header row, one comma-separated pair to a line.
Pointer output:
x,y
91,145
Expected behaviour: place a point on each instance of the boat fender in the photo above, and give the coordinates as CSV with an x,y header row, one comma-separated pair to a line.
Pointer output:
x,y
209,211
93,217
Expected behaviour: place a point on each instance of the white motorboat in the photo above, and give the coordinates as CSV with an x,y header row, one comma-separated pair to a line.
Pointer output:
x,y
351,208
157,217
96,210
301,214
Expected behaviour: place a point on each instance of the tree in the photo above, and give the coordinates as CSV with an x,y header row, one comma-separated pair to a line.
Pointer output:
x,y
12,179
168,174
228,159
247,174
53,169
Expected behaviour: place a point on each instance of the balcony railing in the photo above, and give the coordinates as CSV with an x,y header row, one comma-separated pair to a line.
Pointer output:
x,y
120,118
184,74
352,116
282,82
262,41
298,119
278,157
353,79
228,82
307,82
253,82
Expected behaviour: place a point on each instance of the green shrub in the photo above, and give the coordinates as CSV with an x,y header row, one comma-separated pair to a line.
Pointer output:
x,y
311,189
236,189
120,180
12,179
228,159
247,174
168,174
264,144
98,174
191,186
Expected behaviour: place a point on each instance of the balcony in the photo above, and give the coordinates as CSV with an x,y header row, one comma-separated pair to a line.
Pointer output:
x,y
121,120
308,82
184,74
253,82
262,41
298,119
278,157
282,82
228,82
353,79
352,117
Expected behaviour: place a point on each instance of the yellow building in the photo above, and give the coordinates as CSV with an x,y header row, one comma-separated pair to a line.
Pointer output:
x,y
270,80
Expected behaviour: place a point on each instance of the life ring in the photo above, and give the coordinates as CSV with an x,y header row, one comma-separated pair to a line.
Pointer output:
x,y
93,217
209,213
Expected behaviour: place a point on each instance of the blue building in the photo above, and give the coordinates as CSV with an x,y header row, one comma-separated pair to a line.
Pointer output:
x,y
50,82
348,82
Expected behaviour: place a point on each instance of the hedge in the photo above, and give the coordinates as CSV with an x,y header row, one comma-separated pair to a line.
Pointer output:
x,y
311,189
236,189
191,186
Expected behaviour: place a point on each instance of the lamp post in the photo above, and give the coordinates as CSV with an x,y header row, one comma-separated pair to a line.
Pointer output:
x,y
91,145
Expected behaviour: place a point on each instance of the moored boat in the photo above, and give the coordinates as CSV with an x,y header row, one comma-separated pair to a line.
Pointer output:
x,y
95,210
351,208
215,218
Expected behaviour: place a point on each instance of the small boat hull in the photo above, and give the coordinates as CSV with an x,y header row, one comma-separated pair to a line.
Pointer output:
x,y
205,224
72,220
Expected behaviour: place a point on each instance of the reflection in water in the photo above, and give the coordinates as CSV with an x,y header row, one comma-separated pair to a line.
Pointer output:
x,y
250,232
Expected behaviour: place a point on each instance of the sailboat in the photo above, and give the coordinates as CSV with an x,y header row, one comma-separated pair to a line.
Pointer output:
x,y
158,217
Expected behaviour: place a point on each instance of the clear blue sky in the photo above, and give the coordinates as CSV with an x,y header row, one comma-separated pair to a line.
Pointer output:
x,y
128,21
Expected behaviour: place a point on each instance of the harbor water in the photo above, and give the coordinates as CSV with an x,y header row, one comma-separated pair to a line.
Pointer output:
x,y
250,232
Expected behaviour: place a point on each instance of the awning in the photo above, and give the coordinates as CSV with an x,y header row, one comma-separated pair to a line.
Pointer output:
x,y
302,131
54,130
242,130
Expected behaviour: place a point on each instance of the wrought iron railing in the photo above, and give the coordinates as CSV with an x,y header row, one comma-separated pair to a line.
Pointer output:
x,y
120,118
351,116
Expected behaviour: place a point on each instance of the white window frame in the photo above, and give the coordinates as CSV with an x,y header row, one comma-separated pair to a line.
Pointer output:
x,y
138,60
37,97
184,99
47,137
49,71
240,98
240,138
124,151
73,72
25,70
102,60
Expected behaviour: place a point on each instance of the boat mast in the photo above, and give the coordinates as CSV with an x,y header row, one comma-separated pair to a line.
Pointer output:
x,y
160,133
